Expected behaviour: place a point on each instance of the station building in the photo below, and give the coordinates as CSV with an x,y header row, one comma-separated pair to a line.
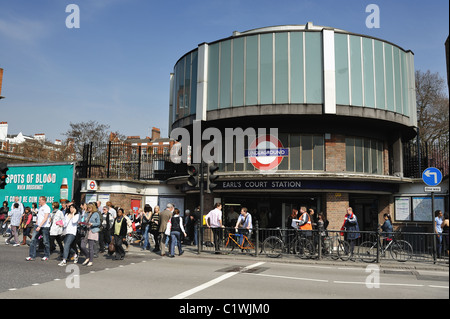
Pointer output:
x,y
343,103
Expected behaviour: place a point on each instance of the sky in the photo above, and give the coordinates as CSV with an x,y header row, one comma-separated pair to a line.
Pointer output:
x,y
115,67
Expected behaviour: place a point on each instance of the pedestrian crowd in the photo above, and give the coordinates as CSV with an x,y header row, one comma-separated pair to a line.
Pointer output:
x,y
90,228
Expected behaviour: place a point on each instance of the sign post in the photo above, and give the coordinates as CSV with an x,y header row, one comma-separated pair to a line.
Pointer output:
x,y
432,177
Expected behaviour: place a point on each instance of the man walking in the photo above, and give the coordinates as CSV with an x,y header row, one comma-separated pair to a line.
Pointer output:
x,y
165,216
42,227
214,221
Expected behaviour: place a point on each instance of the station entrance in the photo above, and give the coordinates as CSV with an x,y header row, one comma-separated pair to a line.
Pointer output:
x,y
271,210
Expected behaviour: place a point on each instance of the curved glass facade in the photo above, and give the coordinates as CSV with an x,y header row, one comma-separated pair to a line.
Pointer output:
x,y
287,67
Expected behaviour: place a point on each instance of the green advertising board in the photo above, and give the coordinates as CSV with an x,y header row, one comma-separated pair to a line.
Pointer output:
x,y
29,181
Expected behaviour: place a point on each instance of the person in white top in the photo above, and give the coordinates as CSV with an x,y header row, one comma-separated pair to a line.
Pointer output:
x,y
42,227
214,221
70,229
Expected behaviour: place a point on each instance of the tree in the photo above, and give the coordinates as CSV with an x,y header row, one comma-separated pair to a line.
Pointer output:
x,y
432,107
86,132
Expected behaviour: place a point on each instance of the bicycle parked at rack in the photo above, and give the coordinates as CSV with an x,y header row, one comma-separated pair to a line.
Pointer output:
x,y
233,240
336,248
400,250
275,246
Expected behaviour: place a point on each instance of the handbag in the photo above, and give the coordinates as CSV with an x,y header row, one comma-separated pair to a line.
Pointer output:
x,y
111,248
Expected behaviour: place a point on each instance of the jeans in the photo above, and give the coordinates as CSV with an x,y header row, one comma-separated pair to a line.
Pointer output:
x,y
68,240
89,253
146,235
175,236
45,232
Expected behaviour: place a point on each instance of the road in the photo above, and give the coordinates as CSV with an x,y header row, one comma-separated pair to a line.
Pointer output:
x,y
149,276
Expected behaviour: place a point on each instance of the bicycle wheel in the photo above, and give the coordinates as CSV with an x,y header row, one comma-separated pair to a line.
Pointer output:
x,y
344,250
401,250
273,247
304,248
247,246
367,252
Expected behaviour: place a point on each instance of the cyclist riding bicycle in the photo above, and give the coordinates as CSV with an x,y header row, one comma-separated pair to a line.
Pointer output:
x,y
387,229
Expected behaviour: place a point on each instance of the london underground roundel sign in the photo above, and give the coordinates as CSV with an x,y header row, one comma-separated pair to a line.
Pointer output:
x,y
266,152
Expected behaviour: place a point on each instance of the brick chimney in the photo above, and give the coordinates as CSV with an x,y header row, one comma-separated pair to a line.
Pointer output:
x,y
156,133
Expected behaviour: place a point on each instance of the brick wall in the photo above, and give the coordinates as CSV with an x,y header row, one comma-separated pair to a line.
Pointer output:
x,y
335,153
336,208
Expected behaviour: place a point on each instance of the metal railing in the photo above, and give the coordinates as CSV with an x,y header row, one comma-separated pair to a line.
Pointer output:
x,y
126,161
370,246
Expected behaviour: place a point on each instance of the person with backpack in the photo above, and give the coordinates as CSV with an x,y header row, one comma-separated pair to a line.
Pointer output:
x,y
175,233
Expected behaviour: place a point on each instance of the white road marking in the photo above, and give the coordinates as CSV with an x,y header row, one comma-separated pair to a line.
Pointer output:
x,y
213,282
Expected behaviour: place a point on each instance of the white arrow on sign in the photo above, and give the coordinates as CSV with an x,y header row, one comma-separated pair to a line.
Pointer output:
x,y
428,174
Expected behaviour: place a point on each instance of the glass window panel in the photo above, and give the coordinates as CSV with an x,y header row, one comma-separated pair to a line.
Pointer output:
x,y
389,77
249,166
307,147
350,154
318,153
398,87
373,149
238,72
366,156
380,158
266,65
341,64
251,69
356,70
180,89
297,88
281,67
294,152
284,139
193,103
213,76
225,74
187,84
369,90
314,67
405,84
379,74
358,154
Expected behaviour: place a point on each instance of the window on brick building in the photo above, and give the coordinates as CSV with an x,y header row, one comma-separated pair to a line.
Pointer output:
x,y
363,155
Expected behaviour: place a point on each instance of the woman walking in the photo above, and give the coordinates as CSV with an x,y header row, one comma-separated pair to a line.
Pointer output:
x,y
92,222
119,234
145,225
175,233
154,228
70,229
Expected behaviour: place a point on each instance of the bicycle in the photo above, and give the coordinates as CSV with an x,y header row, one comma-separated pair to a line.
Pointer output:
x,y
233,240
400,250
339,251
274,246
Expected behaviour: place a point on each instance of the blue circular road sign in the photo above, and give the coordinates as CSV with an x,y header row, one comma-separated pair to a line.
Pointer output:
x,y
432,176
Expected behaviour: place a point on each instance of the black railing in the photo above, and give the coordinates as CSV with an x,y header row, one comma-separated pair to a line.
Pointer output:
x,y
417,159
370,246
126,161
